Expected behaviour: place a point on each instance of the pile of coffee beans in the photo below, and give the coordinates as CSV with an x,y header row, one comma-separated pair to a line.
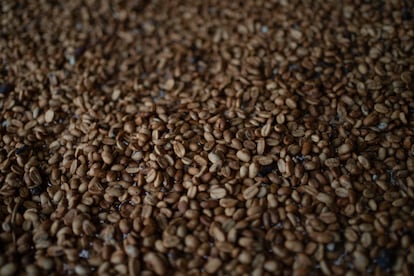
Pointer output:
x,y
206,137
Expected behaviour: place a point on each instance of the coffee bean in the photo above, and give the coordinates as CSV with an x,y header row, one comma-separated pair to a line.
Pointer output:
x,y
265,170
22,149
6,88
385,259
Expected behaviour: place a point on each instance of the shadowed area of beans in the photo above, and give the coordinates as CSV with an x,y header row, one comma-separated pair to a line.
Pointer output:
x,y
206,137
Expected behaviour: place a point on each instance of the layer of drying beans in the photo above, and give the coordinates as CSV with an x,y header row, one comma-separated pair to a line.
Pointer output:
x,y
206,137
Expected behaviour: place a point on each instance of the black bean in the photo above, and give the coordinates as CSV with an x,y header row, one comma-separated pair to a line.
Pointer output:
x,y
385,259
6,88
406,15
265,170
293,67
300,158
36,190
79,51
22,149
